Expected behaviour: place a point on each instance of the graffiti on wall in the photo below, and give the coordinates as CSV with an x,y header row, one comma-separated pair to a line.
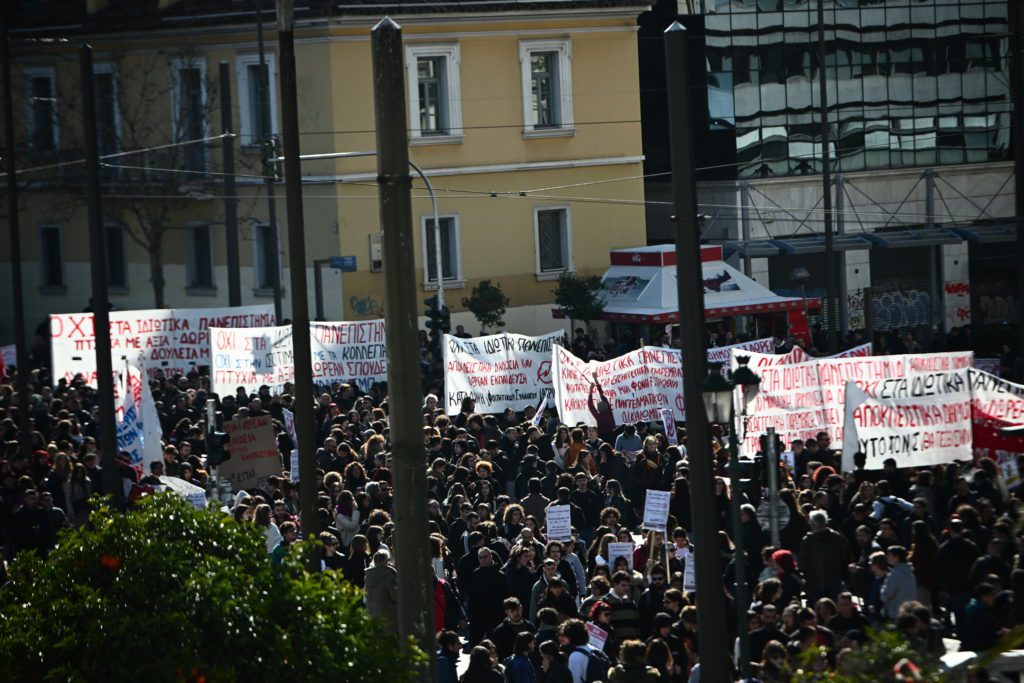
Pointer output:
x,y
897,309
957,304
855,310
366,307
997,310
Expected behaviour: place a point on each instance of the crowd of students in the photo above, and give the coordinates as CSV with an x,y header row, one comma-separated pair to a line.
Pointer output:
x,y
931,552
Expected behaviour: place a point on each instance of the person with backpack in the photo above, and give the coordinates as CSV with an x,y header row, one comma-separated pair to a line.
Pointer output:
x,y
587,664
519,667
888,506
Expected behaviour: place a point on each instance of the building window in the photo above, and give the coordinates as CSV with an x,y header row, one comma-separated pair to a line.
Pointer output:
x,y
117,262
51,257
450,257
41,93
107,115
251,124
266,243
435,104
554,240
200,258
189,114
547,86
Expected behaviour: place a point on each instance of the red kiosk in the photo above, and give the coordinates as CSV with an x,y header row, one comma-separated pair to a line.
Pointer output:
x,y
642,297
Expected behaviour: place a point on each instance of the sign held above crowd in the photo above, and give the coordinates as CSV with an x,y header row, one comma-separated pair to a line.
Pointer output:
x,y
172,340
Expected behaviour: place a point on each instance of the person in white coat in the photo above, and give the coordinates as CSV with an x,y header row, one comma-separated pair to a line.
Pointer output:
x,y
264,521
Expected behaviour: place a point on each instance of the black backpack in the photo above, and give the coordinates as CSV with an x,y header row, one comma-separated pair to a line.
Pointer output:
x,y
597,664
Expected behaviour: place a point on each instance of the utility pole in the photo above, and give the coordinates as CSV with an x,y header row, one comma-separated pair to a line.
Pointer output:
x,y
1017,79
415,594
14,247
689,274
826,188
230,196
100,300
305,424
772,454
269,149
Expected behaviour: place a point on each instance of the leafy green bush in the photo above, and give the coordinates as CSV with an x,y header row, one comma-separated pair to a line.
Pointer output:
x,y
168,593
885,657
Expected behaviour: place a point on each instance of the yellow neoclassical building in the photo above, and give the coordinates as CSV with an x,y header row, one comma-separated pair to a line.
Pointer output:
x,y
525,116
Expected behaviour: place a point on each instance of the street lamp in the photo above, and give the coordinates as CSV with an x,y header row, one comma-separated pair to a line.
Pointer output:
x,y
720,398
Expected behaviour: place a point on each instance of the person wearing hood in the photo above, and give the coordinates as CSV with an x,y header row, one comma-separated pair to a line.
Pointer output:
x,y
382,588
899,586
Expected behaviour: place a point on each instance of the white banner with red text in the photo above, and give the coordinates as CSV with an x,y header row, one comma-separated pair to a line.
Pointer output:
x,y
341,351
174,340
802,399
637,386
498,371
918,420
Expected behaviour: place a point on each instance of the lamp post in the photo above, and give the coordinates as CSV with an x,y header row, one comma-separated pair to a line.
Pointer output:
x,y
720,398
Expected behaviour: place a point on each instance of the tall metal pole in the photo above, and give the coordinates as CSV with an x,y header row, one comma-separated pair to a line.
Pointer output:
x,y
826,187
100,300
415,595
230,196
1017,75
772,453
265,134
437,235
305,426
739,556
714,646
14,247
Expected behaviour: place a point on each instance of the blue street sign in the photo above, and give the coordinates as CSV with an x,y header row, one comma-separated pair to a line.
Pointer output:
x,y
346,264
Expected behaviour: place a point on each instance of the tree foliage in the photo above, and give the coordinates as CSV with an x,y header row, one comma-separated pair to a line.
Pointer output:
x,y
168,593
581,298
885,657
487,302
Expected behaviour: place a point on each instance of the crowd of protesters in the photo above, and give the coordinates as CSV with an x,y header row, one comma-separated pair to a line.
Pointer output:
x,y
931,552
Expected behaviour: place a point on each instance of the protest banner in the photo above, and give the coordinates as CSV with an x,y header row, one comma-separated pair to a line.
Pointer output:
x,y
253,449
137,422
656,510
722,354
617,550
669,421
499,371
638,385
802,399
997,403
341,352
597,636
686,556
559,523
173,340
920,420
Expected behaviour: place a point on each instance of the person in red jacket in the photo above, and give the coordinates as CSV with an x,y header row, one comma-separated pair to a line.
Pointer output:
x,y
602,412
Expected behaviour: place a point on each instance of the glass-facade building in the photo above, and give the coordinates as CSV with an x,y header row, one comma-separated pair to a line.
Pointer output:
x,y
911,83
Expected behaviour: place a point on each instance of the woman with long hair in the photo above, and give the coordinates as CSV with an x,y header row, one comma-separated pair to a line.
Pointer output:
x,y
797,527
355,476
659,656
481,669
264,521
513,521
347,517
560,445
616,498
354,569
79,489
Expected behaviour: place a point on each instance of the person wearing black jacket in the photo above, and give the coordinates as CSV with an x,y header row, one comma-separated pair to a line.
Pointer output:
x,y
487,588
504,634
956,557
29,526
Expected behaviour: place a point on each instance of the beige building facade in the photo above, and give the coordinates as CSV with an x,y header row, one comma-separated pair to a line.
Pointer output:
x,y
526,122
